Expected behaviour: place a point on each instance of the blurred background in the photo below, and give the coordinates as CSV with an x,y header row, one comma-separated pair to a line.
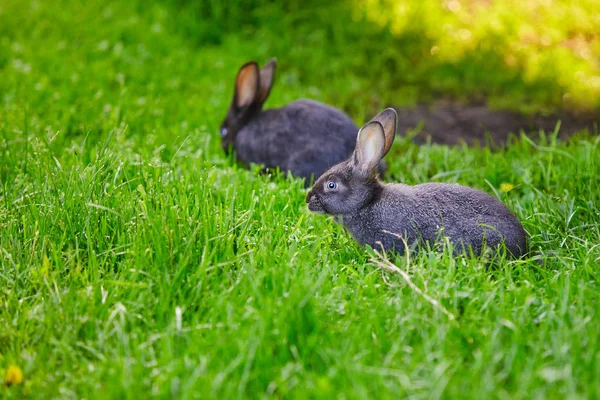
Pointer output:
x,y
84,66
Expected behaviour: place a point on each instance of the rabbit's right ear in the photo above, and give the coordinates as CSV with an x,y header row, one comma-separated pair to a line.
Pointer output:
x,y
388,119
370,147
246,85
267,74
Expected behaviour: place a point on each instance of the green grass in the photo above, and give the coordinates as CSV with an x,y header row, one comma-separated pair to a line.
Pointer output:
x,y
137,261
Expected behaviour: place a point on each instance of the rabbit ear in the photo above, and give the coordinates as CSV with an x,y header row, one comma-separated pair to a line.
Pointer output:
x,y
387,118
246,85
370,147
267,73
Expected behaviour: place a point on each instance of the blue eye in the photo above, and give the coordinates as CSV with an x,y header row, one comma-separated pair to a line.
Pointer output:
x,y
331,185
223,131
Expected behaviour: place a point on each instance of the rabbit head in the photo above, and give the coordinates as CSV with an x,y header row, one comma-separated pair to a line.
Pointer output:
x,y
346,187
252,87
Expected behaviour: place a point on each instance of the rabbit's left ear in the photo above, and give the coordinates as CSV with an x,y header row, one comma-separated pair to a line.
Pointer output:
x,y
267,74
387,118
370,147
246,85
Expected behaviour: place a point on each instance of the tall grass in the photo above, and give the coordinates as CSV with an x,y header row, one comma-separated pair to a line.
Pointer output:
x,y
136,260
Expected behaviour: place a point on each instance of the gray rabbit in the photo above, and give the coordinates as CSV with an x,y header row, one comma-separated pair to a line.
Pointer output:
x,y
375,212
305,137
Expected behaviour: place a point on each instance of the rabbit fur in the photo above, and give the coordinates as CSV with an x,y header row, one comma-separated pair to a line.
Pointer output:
x,y
304,137
388,215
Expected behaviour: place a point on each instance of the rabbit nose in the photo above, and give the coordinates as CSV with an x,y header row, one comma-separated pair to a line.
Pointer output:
x,y
308,196
227,146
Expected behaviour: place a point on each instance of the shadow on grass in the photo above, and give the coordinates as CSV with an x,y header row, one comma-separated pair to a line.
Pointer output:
x,y
452,124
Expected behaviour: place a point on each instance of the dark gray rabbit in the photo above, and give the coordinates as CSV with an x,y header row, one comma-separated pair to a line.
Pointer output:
x,y
375,212
305,137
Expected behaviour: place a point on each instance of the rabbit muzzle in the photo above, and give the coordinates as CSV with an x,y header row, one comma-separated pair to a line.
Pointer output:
x,y
227,145
314,204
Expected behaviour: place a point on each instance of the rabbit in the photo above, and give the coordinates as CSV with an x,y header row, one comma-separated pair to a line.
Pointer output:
x,y
385,216
305,137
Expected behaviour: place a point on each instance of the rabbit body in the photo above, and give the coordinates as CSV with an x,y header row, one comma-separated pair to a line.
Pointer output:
x,y
305,137
425,213
389,215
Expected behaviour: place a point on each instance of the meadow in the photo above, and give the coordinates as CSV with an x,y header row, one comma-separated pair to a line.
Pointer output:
x,y
138,261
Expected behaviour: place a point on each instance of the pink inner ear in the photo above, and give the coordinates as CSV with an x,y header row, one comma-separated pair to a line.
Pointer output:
x,y
371,145
247,82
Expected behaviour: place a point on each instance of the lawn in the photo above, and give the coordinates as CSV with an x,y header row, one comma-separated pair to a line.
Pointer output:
x,y
138,261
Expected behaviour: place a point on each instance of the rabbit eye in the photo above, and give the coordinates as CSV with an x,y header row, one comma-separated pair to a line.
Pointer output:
x,y
331,185
224,131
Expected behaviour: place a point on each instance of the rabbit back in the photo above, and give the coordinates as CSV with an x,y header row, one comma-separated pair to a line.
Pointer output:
x,y
305,137
430,211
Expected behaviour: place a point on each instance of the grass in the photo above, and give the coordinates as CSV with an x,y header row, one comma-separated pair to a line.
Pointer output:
x,y
137,261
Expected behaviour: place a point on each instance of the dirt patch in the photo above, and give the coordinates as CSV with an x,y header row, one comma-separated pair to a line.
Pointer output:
x,y
453,124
